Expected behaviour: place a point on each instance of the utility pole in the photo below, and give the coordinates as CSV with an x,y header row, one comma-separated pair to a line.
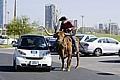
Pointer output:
x,y
15,10
4,26
14,16
110,27
5,11
82,24
8,15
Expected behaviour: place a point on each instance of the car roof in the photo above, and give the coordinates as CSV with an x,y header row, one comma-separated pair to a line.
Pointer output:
x,y
84,35
33,35
52,39
48,36
105,37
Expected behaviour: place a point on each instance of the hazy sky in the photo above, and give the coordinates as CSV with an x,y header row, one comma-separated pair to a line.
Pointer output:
x,y
94,11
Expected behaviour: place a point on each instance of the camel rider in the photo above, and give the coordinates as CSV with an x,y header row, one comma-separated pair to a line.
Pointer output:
x,y
67,27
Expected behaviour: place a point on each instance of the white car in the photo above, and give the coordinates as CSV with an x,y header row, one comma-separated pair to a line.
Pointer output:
x,y
32,51
84,37
99,46
6,40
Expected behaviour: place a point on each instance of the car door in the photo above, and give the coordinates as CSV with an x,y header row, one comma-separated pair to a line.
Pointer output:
x,y
114,45
104,45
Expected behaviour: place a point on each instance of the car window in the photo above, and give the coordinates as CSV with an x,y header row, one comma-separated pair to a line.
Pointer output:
x,y
91,40
4,37
32,43
111,41
102,41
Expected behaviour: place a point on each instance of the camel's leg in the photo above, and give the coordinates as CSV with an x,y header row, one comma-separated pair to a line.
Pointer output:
x,y
69,62
63,69
78,60
62,58
78,55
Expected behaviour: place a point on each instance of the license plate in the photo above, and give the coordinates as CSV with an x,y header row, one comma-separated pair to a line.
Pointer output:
x,y
34,63
33,52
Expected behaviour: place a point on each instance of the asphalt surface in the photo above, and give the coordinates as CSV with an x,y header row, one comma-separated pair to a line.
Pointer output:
x,y
85,72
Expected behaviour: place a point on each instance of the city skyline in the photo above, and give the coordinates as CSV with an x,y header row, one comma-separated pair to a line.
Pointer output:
x,y
94,11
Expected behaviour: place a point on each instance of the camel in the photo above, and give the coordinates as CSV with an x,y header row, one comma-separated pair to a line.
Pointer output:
x,y
65,51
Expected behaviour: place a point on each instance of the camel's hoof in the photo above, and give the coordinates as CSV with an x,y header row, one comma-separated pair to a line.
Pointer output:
x,y
68,69
63,69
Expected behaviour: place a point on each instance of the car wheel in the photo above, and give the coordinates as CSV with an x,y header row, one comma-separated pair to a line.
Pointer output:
x,y
119,53
98,52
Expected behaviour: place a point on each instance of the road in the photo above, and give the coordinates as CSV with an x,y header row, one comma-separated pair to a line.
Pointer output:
x,y
91,68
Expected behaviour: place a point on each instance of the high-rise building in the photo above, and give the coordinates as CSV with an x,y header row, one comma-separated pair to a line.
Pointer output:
x,y
74,23
113,28
101,26
1,13
51,16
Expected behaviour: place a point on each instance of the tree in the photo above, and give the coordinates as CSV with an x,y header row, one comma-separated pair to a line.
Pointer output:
x,y
35,24
19,26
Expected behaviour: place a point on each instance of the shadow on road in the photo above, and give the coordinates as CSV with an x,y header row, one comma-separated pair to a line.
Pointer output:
x,y
56,69
7,69
91,55
110,61
11,69
105,74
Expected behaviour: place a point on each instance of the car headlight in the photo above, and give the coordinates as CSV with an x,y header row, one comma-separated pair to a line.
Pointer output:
x,y
21,53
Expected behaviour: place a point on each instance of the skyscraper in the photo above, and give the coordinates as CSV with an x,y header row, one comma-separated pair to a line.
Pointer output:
x,y
113,28
1,13
50,16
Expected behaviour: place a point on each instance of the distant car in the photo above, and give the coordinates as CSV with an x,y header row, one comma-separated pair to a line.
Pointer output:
x,y
100,46
7,40
84,37
32,51
52,43
48,37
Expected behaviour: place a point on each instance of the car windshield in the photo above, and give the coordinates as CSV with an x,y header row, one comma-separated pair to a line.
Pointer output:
x,y
91,39
80,37
32,42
